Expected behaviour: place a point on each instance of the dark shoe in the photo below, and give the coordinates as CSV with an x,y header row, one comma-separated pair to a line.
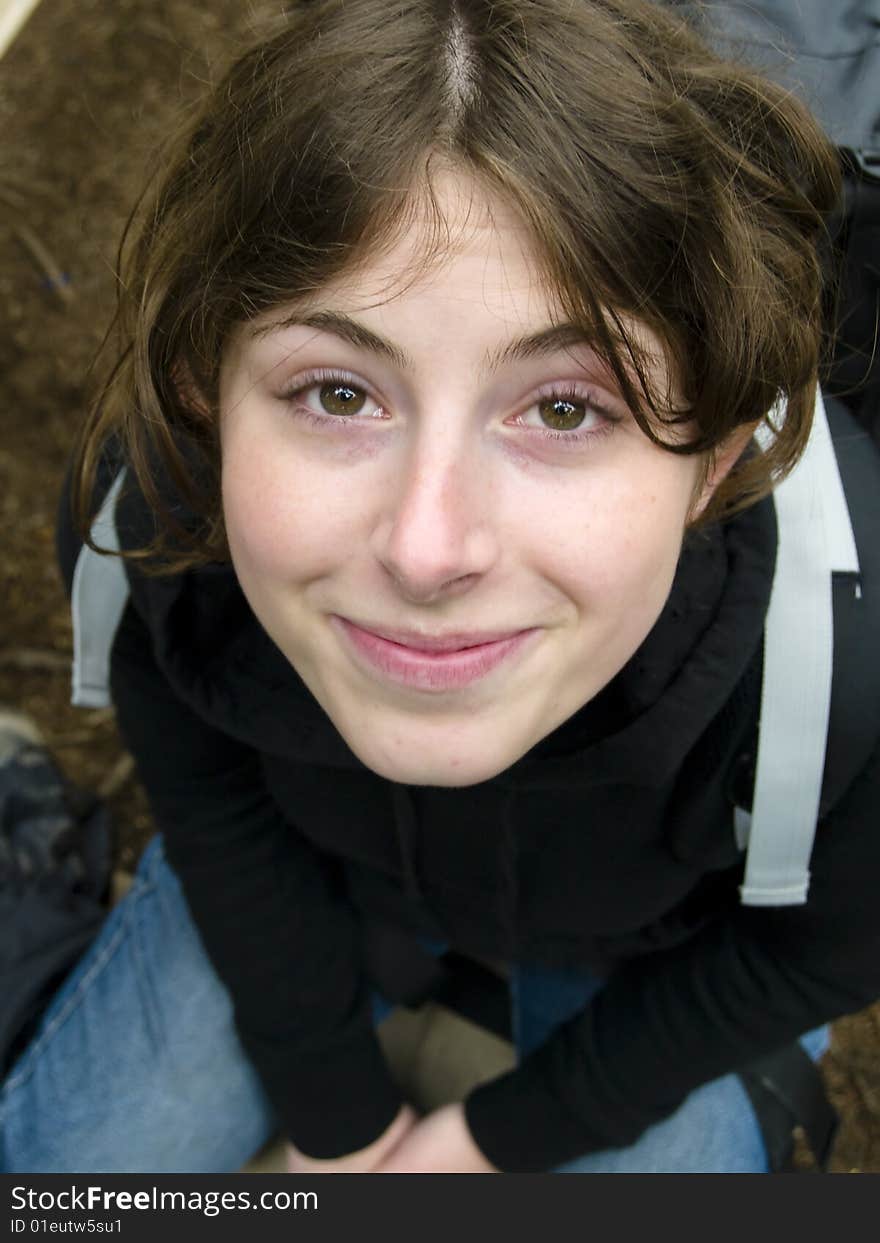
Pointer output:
x,y
786,1091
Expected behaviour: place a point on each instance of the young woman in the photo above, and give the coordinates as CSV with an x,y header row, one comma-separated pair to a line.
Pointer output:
x,y
445,341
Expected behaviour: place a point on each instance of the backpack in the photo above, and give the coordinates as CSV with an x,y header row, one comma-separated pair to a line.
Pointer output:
x,y
820,702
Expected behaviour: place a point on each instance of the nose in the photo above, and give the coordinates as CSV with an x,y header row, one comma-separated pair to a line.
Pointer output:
x,y
437,536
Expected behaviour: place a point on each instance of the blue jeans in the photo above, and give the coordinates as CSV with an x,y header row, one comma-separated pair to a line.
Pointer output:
x,y
136,1066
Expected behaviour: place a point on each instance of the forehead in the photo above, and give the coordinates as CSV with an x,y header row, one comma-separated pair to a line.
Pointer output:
x,y
457,240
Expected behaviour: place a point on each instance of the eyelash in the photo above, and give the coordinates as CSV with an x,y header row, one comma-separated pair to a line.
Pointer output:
x,y
310,380
586,397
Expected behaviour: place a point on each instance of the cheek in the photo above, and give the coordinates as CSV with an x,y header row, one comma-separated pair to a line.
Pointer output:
x,y
287,519
270,514
615,543
250,509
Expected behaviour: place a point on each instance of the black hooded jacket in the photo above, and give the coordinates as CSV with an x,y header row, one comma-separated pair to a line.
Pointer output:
x,y
610,845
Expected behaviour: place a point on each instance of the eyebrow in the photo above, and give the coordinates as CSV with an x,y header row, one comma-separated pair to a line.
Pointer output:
x,y
340,326
550,340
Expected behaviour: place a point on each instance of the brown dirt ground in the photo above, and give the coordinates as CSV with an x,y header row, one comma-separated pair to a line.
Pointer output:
x,y
86,96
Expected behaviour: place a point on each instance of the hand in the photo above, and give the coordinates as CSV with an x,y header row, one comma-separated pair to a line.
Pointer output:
x,y
365,1160
439,1144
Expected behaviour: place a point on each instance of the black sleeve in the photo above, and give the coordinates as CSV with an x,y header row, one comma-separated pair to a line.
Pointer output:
x,y
279,935
669,1022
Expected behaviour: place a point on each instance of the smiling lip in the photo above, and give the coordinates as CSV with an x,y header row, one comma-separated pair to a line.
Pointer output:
x,y
432,662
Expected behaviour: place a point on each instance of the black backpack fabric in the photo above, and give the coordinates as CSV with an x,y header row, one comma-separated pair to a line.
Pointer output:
x,y
855,368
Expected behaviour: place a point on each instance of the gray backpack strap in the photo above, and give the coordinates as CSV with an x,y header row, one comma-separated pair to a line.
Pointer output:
x,y
98,598
815,539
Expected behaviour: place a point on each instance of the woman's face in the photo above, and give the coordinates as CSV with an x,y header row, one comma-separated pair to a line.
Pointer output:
x,y
438,505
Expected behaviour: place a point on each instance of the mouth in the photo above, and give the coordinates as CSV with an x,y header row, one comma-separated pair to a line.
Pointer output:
x,y
423,662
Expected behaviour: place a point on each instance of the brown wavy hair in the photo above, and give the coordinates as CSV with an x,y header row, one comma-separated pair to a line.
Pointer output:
x,y
660,183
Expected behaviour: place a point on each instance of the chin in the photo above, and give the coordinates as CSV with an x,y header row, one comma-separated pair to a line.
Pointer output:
x,y
424,766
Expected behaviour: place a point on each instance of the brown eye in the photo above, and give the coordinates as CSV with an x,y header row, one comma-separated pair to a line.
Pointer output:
x,y
342,398
561,414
